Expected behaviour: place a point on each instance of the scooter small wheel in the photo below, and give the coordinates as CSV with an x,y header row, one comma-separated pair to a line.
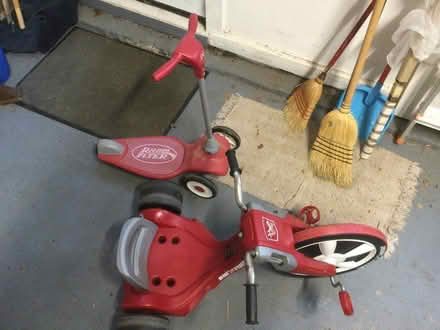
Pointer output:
x,y
159,194
229,134
200,186
142,322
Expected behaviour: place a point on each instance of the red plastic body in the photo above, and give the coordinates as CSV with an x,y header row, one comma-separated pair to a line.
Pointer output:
x,y
186,261
265,229
338,229
164,157
189,51
195,265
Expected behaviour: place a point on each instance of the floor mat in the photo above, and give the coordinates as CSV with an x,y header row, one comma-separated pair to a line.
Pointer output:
x,y
105,88
275,169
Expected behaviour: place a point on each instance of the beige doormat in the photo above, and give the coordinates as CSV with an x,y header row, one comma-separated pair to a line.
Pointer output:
x,y
275,169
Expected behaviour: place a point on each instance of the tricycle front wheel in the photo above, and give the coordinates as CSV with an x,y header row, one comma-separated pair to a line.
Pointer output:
x,y
348,247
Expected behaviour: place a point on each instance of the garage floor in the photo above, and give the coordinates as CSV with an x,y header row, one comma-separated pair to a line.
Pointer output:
x,y
62,212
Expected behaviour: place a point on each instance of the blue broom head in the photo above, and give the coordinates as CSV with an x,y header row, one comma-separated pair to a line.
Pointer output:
x,y
4,67
366,113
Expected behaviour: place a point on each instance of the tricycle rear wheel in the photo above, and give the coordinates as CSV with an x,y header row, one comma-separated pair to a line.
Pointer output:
x,y
142,322
159,194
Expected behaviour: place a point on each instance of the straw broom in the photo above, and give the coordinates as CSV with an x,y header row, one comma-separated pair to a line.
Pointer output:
x,y
332,152
305,97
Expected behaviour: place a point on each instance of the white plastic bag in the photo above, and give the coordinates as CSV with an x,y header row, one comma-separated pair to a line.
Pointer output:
x,y
418,31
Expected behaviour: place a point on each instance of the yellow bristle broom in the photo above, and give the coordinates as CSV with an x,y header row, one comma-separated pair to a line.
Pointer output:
x,y
303,100
332,152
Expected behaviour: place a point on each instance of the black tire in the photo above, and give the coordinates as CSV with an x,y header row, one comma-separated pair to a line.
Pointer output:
x,y
142,322
310,248
229,134
160,194
199,185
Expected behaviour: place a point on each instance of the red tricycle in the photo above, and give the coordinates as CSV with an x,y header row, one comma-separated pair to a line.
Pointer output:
x,y
156,248
166,157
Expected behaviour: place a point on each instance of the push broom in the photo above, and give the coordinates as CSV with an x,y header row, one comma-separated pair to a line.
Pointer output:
x,y
303,100
332,152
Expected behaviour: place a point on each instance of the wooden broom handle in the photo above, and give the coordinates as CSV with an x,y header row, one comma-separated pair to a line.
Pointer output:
x,y
360,63
19,14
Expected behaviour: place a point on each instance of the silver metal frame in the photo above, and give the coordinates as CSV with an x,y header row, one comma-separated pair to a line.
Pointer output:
x,y
211,145
238,191
250,270
336,284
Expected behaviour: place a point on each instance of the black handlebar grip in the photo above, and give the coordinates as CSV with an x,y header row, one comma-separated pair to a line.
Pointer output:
x,y
251,304
233,162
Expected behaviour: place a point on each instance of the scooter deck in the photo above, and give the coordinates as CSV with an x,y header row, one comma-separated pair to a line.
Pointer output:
x,y
163,157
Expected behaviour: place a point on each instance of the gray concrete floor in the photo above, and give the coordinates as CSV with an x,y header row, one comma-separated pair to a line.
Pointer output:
x,y
62,212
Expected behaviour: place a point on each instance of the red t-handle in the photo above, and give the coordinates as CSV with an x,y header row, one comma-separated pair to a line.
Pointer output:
x,y
166,68
189,51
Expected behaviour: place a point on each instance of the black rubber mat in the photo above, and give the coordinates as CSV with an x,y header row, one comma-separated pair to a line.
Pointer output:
x,y
104,87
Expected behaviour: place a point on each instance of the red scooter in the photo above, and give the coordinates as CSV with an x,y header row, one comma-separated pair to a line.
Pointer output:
x,y
165,157
156,248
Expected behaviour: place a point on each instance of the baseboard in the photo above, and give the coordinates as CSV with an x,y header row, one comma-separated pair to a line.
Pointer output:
x,y
279,59
145,14
239,46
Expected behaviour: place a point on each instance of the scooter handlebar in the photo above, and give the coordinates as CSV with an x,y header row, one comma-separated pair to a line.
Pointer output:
x,y
189,51
166,68
192,25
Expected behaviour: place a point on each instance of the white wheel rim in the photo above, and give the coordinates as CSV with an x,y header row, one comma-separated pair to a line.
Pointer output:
x,y
229,139
342,260
199,189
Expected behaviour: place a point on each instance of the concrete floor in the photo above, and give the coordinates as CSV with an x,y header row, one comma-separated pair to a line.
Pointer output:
x,y
62,212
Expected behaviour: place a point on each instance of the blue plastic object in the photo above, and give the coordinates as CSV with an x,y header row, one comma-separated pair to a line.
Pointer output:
x,y
366,107
4,67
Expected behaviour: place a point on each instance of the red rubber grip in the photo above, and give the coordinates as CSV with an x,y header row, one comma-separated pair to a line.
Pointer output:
x,y
189,51
192,25
166,68
345,300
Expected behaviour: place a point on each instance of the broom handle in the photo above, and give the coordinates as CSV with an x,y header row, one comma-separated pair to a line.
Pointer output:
x,y
360,63
19,14
406,72
384,74
350,37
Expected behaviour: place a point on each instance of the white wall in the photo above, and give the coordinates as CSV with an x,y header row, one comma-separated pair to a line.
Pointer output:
x,y
301,36
296,36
